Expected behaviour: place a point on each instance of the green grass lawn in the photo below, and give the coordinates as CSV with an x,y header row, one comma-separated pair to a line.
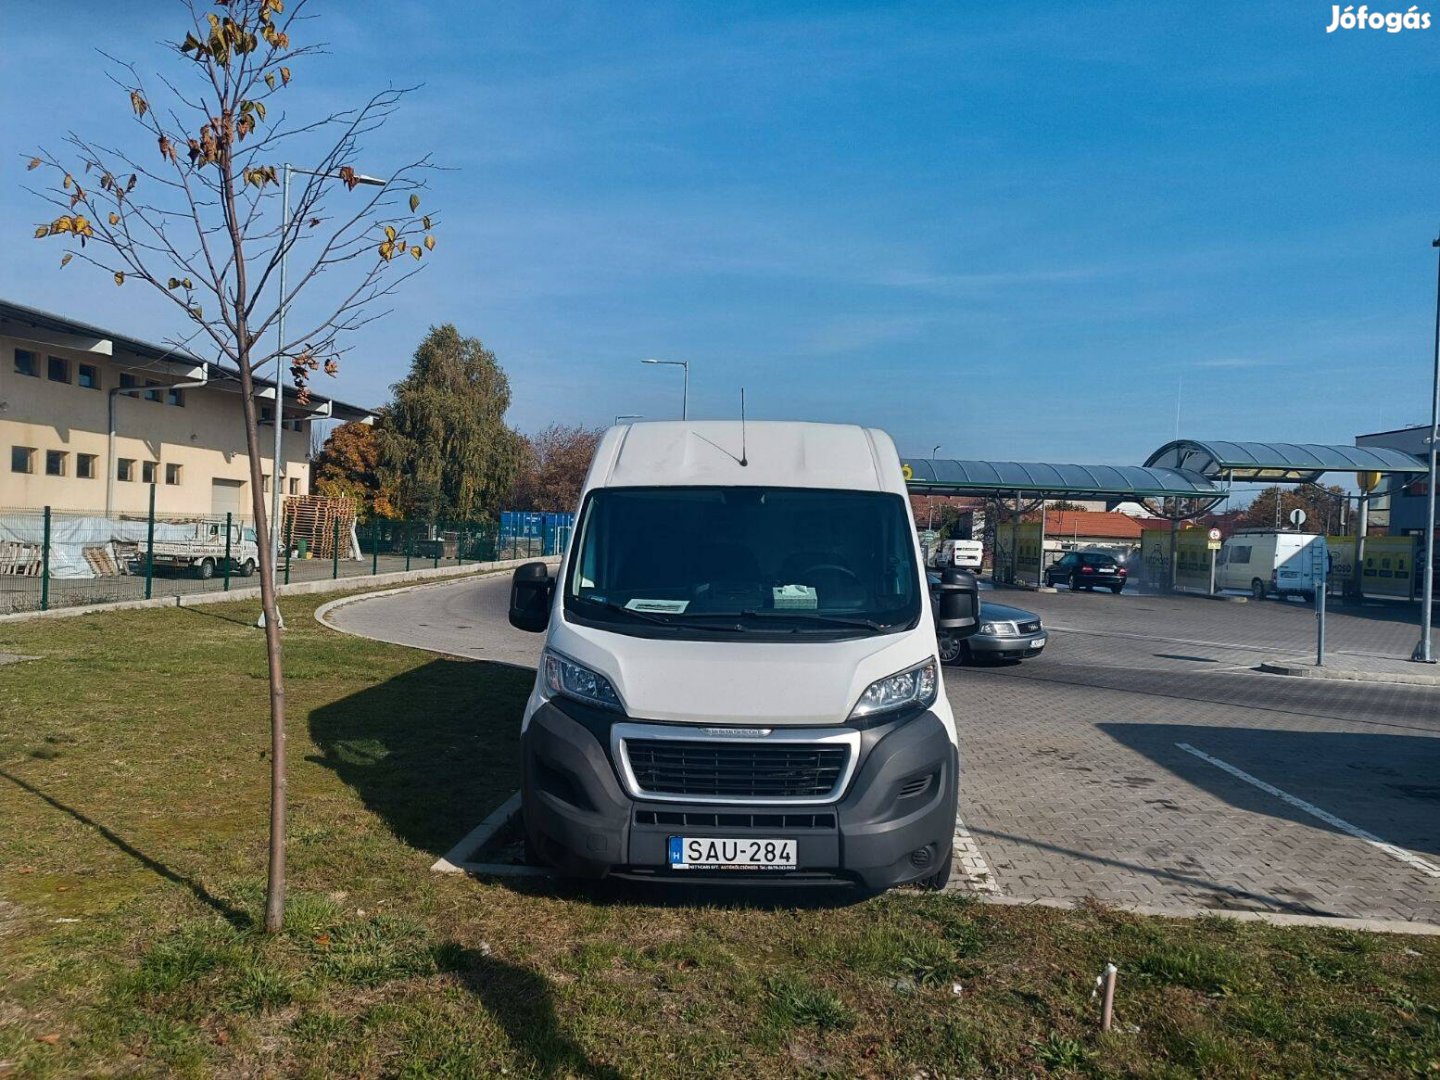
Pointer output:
x,y
133,788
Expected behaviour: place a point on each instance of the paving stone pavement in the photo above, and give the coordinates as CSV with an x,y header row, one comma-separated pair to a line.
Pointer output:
x,y
1074,782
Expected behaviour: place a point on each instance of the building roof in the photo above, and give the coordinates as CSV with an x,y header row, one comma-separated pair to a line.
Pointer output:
x,y
1292,462
87,338
951,477
1092,525
757,454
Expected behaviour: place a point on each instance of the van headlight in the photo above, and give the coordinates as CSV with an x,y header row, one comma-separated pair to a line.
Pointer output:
x,y
569,679
917,685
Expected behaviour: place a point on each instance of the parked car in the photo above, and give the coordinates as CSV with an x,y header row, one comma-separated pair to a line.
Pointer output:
x,y
1006,633
1086,570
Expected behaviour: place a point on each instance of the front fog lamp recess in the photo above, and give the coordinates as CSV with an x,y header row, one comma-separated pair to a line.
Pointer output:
x,y
913,686
569,679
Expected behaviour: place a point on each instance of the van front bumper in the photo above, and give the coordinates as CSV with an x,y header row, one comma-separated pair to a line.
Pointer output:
x,y
895,822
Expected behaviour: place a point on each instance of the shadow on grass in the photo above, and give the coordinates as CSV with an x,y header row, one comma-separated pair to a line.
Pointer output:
x,y
233,915
433,750
520,1001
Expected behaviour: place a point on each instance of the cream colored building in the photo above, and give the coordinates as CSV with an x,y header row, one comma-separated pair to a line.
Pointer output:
x,y
89,419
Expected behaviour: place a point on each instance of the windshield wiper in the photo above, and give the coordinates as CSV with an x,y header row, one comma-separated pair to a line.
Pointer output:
x,y
816,617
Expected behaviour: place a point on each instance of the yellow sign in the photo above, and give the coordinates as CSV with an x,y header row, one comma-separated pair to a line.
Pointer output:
x,y
907,472
1367,480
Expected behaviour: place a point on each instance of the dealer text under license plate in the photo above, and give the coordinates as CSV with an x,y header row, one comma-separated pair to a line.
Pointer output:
x,y
715,853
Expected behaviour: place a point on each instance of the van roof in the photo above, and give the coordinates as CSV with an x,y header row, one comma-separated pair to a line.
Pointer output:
x,y
777,453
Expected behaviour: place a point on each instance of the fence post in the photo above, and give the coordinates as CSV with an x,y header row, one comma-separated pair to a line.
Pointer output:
x,y
436,547
375,546
289,544
45,565
407,543
150,546
459,544
335,550
229,520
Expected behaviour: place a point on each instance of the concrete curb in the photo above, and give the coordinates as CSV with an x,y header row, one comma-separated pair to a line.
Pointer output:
x,y
298,588
1302,670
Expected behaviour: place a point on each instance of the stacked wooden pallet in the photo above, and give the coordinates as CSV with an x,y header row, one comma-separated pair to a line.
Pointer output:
x,y
21,559
318,520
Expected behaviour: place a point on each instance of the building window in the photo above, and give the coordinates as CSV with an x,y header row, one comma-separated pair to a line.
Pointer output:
x,y
294,482
266,414
22,459
265,484
147,472
125,469
85,466
152,395
175,397
127,381
26,362
57,369
172,474
88,377
55,462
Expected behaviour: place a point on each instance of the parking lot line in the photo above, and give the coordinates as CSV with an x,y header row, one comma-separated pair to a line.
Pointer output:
x,y
1409,858
970,865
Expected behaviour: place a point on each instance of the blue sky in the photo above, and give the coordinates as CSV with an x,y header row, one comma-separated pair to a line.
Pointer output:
x,y
1015,230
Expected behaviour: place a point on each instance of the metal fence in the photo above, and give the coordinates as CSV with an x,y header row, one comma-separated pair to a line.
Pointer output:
x,y
51,558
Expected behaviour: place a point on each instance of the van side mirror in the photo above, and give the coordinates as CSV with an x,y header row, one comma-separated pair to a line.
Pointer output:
x,y
959,608
530,591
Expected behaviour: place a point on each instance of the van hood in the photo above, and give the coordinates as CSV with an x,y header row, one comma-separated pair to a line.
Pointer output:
x,y
735,682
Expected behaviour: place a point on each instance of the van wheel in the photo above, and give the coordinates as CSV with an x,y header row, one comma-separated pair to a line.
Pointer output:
x,y
206,570
941,877
247,568
1257,589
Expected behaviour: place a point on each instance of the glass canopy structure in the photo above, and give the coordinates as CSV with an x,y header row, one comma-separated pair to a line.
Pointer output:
x,y
1279,463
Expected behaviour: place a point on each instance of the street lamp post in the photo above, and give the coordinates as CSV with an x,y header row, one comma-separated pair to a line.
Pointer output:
x,y
685,400
1423,653
278,413
931,500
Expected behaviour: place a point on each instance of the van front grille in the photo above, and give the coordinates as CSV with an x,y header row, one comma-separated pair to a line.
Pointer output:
x,y
737,770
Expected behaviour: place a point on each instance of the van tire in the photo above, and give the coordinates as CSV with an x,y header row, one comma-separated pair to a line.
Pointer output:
x,y
247,568
1257,589
951,648
941,877
206,570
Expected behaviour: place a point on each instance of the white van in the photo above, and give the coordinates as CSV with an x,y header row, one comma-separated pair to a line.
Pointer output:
x,y
1265,563
966,554
740,680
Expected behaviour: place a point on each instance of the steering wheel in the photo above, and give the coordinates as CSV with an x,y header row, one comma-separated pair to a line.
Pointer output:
x,y
832,568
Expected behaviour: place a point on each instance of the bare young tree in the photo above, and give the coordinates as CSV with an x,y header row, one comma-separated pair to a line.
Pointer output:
x,y
189,207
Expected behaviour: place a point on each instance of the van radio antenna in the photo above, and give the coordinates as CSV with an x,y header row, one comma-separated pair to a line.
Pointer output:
x,y
744,458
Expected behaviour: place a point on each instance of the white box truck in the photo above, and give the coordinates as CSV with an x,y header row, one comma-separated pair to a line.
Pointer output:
x,y
1264,562
740,681
200,546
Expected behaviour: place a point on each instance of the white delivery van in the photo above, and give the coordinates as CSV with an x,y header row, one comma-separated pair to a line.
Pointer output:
x,y
966,554
1265,563
740,681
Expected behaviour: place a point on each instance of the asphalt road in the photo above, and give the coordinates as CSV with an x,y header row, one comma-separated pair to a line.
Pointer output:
x,y
1140,760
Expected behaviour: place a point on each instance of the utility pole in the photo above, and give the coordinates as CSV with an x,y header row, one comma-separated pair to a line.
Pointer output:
x,y
1423,653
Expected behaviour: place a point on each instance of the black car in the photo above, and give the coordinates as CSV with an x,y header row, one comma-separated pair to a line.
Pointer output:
x,y
1006,633
1087,570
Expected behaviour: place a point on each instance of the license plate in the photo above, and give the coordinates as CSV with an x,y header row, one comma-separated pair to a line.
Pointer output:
x,y
717,853
1038,643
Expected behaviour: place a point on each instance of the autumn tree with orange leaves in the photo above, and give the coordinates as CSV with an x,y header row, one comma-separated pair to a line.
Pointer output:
x,y
190,207
349,465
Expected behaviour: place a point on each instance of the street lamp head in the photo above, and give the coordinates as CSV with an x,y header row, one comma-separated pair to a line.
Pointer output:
x,y
373,181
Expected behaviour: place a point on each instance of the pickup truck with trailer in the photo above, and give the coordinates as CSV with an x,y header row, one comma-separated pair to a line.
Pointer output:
x,y
741,680
200,546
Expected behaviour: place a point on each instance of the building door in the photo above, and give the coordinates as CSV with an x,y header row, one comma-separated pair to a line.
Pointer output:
x,y
226,497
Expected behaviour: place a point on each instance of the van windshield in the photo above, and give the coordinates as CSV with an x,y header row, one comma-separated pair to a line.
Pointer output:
x,y
782,561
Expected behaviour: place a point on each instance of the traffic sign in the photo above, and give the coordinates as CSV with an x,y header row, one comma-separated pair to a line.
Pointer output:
x,y
1297,517
1214,534
927,537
